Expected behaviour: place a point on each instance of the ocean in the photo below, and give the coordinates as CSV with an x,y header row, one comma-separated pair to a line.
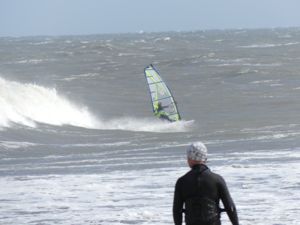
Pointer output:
x,y
79,143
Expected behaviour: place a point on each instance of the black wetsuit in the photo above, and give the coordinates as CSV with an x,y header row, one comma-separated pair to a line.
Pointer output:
x,y
200,191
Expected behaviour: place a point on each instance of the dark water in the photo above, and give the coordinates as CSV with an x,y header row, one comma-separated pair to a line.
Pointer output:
x,y
79,144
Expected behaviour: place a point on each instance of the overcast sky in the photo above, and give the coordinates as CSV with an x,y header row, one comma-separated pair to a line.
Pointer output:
x,y
64,17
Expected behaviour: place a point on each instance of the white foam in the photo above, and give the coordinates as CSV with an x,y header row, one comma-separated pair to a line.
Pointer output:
x,y
14,144
269,45
148,125
42,42
162,39
247,70
264,81
80,76
34,61
126,54
27,104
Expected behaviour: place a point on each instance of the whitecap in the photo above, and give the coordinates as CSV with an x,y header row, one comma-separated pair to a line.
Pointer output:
x,y
264,81
269,45
15,144
80,76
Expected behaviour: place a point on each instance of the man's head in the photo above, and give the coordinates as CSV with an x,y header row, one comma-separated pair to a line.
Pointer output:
x,y
196,154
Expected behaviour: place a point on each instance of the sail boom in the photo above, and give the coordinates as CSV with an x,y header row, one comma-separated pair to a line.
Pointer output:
x,y
156,82
157,100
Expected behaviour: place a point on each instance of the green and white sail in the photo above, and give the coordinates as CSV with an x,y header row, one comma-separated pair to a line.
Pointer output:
x,y
163,103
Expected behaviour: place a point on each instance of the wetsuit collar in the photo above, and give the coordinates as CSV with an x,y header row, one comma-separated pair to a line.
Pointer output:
x,y
200,167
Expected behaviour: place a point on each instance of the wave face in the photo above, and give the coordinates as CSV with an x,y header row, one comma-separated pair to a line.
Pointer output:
x,y
29,104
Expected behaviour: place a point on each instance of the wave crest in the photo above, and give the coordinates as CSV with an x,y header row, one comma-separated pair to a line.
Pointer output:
x,y
28,104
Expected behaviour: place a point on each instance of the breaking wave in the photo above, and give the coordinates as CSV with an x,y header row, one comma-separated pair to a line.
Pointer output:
x,y
30,104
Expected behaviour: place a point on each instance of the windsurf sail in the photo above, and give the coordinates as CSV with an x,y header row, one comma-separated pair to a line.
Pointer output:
x,y
163,103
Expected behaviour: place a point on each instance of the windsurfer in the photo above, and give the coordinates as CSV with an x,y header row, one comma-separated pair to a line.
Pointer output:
x,y
163,103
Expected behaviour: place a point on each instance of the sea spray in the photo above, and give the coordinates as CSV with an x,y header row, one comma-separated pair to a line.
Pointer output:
x,y
28,104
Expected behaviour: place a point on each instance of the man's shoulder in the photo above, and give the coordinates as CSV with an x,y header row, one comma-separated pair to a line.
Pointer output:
x,y
214,173
217,177
183,177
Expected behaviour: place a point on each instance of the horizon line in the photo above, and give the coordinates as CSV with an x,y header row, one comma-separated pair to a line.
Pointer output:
x,y
141,32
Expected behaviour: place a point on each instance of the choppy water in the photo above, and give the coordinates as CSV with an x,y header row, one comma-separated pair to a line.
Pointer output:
x,y
79,144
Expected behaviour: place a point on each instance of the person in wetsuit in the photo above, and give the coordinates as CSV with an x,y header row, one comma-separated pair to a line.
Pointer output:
x,y
160,113
198,193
